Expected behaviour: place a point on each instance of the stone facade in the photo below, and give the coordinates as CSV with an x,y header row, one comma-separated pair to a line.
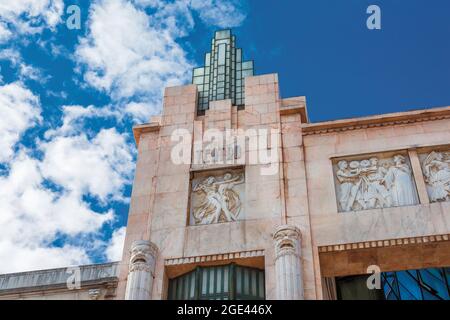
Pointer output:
x,y
338,196
346,194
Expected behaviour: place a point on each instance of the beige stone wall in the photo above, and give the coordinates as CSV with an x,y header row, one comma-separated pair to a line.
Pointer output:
x,y
330,227
160,199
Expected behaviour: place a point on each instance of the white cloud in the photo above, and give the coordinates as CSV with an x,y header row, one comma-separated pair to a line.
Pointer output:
x,y
20,110
24,71
43,199
74,117
219,13
133,56
33,215
5,34
125,55
38,258
140,111
28,16
224,14
101,166
115,246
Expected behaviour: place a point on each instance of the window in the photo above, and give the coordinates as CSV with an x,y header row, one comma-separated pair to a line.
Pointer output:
x,y
423,284
227,282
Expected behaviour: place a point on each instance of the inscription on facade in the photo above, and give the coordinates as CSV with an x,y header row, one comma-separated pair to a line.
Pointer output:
x,y
217,197
374,183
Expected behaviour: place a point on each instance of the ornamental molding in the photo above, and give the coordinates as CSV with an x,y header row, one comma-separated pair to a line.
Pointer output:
x,y
141,267
384,243
392,119
214,257
286,238
142,256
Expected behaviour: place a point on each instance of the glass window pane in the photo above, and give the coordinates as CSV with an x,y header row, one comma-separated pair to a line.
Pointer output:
x,y
226,279
238,55
198,72
204,280
253,281
211,280
247,73
261,285
221,57
238,280
219,280
179,289
247,65
198,80
192,285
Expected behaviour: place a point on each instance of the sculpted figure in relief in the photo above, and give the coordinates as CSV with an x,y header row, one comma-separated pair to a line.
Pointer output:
x,y
366,184
436,169
219,201
400,182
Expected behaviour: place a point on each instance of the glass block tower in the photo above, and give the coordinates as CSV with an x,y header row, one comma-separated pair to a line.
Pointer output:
x,y
223,75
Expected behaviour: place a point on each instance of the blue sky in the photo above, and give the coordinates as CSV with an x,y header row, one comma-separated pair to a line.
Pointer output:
x,y
68,98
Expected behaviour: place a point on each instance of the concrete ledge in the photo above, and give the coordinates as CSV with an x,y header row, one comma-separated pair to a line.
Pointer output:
x,y
387,119
56,278
144,128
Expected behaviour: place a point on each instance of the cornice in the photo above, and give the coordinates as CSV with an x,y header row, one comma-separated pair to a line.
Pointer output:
x,y
215,257
383,243
389,119
144,128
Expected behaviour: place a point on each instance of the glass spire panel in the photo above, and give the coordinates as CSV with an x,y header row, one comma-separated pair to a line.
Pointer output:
x,y
223,75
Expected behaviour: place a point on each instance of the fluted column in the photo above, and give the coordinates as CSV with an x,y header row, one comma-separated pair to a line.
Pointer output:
x,y
288,266
141,270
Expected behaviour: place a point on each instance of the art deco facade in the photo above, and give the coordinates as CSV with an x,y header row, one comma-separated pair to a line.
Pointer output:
x,y
322,205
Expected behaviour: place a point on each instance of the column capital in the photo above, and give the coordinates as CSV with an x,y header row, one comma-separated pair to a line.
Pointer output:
x,y
142,251
287,240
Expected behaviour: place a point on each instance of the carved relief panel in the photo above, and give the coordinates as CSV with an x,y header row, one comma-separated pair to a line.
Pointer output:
x,y
373,182
217,196
436,172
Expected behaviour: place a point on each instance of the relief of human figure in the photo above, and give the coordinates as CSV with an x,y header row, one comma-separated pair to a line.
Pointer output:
x,y
377,195
347,180
211,205
231,203
400,183
366,184
436,169
360,186
218,199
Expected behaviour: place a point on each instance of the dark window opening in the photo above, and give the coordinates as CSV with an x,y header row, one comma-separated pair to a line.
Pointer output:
x,y
422,284
227,282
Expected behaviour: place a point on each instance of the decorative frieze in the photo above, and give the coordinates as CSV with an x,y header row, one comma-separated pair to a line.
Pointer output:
x,y
217,196
141,270
215,257
384,243
374,182
436,171
394,119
